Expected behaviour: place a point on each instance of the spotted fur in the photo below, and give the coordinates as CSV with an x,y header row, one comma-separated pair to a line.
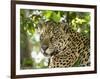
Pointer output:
x,y
64,46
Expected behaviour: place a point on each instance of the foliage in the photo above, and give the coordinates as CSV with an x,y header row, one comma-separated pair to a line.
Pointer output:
x,y
29,19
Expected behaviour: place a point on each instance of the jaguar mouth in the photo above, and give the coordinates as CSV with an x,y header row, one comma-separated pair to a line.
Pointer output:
x,y
45,54
49,52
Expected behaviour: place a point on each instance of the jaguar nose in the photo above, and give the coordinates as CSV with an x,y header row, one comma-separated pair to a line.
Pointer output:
x,y
44,47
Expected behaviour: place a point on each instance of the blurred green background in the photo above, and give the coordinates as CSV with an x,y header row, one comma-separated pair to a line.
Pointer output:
x,y
31,56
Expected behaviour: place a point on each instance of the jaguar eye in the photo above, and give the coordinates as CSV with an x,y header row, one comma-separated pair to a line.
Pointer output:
x,y
51,38
41,37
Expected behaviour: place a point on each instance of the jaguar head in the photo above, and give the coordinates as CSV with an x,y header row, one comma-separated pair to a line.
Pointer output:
x,y
52,38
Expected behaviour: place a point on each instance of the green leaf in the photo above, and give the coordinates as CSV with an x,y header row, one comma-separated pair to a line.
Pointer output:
x,y
56,17
77,63
47,14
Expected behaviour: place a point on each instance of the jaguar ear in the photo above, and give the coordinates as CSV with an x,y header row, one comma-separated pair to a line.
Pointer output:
x,y
64,26
40,26
50,23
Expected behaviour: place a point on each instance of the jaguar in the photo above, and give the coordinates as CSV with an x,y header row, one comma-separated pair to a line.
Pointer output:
x,y
64,46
